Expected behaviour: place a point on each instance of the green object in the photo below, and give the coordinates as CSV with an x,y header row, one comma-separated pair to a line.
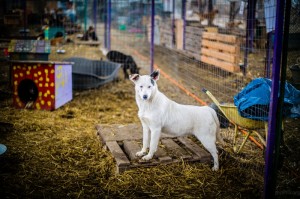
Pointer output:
x,y
122,27
46,32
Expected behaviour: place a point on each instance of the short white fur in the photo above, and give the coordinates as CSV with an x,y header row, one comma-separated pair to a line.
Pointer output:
x,y
158,113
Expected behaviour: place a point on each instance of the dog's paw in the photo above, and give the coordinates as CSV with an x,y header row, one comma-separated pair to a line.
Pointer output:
x,y
147,157
140,153
215,168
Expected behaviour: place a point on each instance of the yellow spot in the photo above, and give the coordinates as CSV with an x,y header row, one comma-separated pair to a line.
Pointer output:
x,y
36,81
18,67
35,75
48,92
49,103
59,67
47,79
16,75
39,72
59,76
34,66
63,83
52,96
37,105
16,83
46,71
52,84
29,67
41,79
40,85
14,67
28,72
45,94
52,71
40,94
46,85
42,102
21,74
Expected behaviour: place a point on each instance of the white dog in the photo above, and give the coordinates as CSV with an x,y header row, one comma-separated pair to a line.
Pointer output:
x,y
158,113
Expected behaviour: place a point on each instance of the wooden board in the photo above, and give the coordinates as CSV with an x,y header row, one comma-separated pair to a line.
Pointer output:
x,y
88,42
170,150
221,50
220,64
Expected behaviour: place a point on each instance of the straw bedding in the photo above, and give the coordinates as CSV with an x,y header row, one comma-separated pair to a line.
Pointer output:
x,y
58,155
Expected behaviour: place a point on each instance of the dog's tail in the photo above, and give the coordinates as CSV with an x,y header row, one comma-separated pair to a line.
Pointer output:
x,y
218,135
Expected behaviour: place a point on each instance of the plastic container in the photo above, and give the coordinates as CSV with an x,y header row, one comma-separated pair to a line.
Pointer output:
x,y
88,74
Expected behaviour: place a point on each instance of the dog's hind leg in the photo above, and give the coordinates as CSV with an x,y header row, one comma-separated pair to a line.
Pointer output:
x,y
209,142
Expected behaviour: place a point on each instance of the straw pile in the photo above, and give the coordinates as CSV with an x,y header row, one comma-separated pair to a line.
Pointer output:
x,y
58,155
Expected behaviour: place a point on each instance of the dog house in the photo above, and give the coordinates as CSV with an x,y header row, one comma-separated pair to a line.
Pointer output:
x,y
41,84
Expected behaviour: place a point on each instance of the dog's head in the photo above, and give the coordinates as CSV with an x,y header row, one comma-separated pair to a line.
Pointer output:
x,y
145,85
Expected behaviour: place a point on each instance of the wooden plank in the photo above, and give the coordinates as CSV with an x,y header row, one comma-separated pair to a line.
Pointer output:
x,y
175,149
118,132
220,37
131,147
220,55
162,155
88,42
221,64
220,46
118,154
202,155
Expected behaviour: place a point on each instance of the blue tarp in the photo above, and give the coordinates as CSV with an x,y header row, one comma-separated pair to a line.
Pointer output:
x,y
253,101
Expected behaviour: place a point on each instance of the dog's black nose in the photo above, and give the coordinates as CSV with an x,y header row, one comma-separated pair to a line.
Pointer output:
x,y
145,97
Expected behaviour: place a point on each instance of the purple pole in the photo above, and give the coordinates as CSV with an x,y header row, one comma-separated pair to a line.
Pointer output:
x,y
152,36
173,24
184,21
95,14
108,25
269,180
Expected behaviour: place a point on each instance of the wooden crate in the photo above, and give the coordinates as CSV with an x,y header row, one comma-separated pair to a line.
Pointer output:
x,y
193,40
124,141
221,50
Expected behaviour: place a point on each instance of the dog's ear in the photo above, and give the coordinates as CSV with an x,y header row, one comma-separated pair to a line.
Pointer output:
x,y
134,77
155,75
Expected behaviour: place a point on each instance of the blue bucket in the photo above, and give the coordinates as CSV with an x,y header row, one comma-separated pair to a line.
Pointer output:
x,y
3,148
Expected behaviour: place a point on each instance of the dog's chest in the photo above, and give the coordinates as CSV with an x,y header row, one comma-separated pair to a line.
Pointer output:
x,y
147,112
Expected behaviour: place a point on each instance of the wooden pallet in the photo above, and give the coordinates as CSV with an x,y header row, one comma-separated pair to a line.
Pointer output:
x,y
123,141
221,50
88,42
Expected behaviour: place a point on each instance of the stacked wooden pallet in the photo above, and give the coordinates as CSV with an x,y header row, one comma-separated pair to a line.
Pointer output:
x,y
166,34
193,38
221,50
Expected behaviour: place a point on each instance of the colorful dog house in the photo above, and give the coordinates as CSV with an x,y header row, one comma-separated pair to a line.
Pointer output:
x,y
41,84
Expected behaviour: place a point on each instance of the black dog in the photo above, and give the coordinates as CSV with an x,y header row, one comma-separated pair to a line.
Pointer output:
x,y
126,60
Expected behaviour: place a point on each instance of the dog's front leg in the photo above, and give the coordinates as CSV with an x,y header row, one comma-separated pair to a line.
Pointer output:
x,y
146,140
155,135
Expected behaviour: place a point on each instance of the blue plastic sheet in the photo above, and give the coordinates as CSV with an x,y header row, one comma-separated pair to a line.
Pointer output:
x,y
253,101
